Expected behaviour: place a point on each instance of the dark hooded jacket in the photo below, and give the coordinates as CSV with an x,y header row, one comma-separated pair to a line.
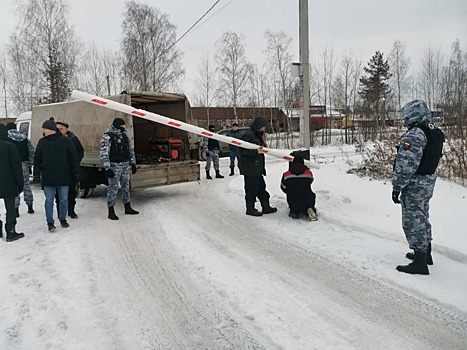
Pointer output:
x,y
79,147
11,172
56,160
251,162
296,184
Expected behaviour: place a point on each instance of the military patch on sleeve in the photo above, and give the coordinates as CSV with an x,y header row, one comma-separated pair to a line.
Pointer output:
x,y
102,144
406,145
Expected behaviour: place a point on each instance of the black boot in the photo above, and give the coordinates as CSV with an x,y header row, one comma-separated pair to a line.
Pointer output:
x,y
208,176
218,175
30,209
429,258
64,224
293,215
417,267
17,212
231,172
12,235
251,210
112,215
267,209
129,210
71,212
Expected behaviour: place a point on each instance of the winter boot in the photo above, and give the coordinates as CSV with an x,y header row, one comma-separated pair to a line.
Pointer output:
x,y
17,212
293,215
64,224
129,210
208,176
267,209
71,212
218,175
429,258
251,210
312,214
30,209
112,215
12,235
416,267
231,172
51,227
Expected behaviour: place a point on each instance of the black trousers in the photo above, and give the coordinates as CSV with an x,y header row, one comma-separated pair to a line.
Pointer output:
x,y
255,187
10,213
71,198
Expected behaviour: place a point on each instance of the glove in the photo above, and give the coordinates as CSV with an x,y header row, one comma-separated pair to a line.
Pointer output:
x,y
109,173
134,169
395,197
36,179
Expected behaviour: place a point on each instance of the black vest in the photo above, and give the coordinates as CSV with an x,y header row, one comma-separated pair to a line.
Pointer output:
x,y
119,148
22,147
433,150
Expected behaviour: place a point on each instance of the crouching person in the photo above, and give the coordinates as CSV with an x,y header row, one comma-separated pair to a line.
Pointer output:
x,y
118,157
296,184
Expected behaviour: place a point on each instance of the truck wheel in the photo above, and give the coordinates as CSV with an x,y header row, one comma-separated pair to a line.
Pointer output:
x,y
85,192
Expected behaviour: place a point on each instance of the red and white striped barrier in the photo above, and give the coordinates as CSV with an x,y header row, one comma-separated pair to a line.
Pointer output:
x,y
178,124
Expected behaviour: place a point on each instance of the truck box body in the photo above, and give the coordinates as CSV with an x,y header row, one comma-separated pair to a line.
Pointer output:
x,y
164,155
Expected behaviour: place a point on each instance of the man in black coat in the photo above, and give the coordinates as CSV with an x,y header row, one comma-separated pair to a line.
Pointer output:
x,y
252,167
11,184
56,161
63,127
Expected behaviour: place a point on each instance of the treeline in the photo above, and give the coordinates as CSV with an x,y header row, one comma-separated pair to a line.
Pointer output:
x,y
45,60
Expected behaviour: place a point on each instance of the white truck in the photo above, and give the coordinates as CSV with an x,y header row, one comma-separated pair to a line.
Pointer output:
x,y
164,155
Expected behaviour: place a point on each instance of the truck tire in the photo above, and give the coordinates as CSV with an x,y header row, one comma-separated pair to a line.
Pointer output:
x,y
85,192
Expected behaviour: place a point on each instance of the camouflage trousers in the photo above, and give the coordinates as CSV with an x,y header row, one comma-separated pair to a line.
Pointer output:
x,y
415,198
27,192
213,155
122,176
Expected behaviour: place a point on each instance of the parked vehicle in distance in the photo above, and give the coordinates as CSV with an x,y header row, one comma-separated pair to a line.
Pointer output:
x,y
224,152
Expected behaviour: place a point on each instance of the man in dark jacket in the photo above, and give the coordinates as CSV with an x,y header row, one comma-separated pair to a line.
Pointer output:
x,y
234,151
26,152
212,148
56,161
63,127
296,184
11,184
252,167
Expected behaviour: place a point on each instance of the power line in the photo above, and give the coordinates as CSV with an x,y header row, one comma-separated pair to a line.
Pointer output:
x,y
189,29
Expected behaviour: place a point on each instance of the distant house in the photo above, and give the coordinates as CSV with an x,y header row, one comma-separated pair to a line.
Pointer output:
x,y
223,117
5,121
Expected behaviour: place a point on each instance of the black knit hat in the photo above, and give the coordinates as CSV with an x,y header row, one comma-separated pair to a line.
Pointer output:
x,y
118,122
11,126
50,125
211,127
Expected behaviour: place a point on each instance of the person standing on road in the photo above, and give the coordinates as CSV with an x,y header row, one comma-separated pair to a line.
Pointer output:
x,y
56,163
212,148
252,167
118,157
414,180
26,152
234,151
296,184
11,184
63,127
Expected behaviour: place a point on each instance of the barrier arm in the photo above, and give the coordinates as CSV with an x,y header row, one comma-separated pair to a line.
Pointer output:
x,y
99,101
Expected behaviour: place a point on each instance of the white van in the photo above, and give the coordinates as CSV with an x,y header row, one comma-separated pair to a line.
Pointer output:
x,y
23,123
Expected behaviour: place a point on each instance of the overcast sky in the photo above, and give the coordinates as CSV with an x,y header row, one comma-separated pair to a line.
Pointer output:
x,y
362,26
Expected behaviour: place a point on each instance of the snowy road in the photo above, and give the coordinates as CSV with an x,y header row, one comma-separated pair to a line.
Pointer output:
x,y
193,272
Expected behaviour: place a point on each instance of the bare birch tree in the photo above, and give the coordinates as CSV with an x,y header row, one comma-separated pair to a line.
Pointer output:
x,y
43,51
233,68
399,63
151,61
206,85
429,78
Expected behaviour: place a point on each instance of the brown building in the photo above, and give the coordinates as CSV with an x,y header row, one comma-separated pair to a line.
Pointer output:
x,y
223,117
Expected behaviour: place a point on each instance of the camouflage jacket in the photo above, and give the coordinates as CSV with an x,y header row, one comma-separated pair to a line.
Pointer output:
x,y
105,148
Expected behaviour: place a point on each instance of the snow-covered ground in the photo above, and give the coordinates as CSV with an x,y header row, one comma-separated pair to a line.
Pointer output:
x,y
192,271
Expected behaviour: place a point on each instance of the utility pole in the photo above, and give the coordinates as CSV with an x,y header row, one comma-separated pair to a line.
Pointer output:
x,y
305,69
108,84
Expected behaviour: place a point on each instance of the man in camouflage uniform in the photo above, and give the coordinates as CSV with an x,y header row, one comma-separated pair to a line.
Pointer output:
x,y
414,181
117,157
212,149
234,150
26,151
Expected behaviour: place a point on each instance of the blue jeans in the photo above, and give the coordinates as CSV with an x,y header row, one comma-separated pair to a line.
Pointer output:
x,y
49,192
